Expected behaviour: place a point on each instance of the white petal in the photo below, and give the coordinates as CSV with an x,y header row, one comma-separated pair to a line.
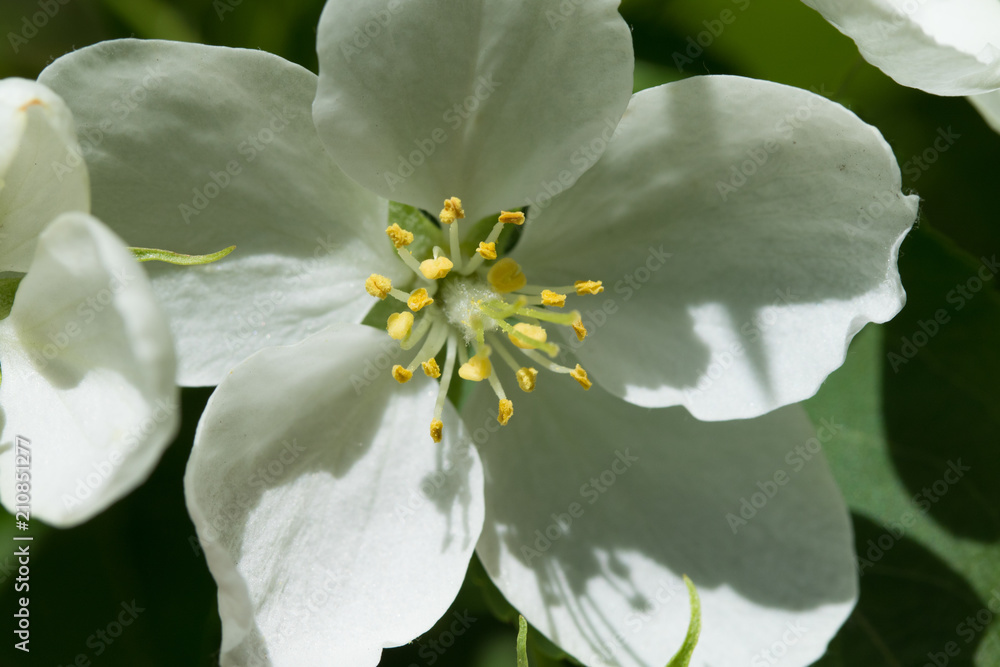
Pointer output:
x,y
332,523
36,135
88,374
491,102
744,231
944,47
596,508
194,148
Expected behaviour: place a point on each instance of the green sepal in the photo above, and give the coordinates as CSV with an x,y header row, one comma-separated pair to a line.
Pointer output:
x,y
522,642
8,287
154,255
683,657
426,234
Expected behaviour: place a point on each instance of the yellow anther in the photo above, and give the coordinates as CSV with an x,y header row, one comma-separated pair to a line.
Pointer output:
x,y
550,298
433,269
418,299
399,325
487,250
532,332
506,411
511,218
581,331
580,376
437,428
588,286
400,237
506,276
526,379
476,369
431,368
378,286
452,210
401,374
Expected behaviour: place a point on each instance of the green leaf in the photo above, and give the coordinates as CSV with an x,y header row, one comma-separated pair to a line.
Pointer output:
x,y
683,656
154,255
918,405
522,642
8,287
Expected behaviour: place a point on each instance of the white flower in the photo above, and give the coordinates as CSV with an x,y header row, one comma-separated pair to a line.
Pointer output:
x,y
85,352
943,47
745,231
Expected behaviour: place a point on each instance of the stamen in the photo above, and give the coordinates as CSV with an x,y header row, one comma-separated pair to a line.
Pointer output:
x,y
550,349
400,237
580,376
506,411
418,299
431,347
486,250
409,260
399,325
550,298
588,287
511,218
431,368
418,333
549,316
378,286
526,379
497,345
449,368
536,334
506,276
545,363
452,210
399,294
581,331
401,375
435,269
477,368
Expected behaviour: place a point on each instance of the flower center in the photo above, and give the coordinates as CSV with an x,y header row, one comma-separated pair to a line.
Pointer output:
x,y
472,312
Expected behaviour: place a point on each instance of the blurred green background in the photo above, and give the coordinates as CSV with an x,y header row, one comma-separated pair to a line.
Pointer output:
x,y
905,416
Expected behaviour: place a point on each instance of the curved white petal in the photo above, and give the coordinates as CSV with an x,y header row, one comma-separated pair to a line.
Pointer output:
x,y
744,231
88,374
41,171
492,102
944,47
194,148
596,508
332,523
